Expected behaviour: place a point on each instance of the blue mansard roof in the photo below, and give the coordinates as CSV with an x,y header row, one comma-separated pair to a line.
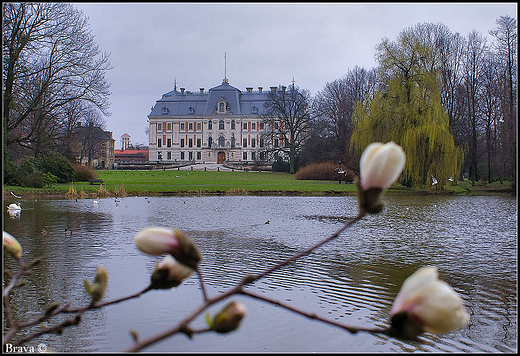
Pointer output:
x,y
185,103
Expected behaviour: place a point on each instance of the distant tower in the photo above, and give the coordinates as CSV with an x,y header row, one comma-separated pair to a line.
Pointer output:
x,y
125,141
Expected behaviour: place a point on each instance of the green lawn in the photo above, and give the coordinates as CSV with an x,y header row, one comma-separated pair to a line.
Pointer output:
x,y
157,182
171,182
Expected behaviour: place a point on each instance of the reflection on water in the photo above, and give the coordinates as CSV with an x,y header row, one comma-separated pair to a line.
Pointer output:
x,y
353,279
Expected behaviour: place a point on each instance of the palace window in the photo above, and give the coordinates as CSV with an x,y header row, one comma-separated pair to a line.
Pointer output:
x,y
159,126
182,142
159,142
221,125
210,125
221,141
232,124
244,142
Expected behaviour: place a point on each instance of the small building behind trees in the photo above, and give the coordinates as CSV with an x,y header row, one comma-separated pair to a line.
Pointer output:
x,y
92,146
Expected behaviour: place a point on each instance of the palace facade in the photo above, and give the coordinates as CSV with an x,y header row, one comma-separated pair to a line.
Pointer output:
x,y
221,125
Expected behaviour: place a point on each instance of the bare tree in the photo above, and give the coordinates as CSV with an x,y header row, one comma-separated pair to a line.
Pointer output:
x,y
473,67
90,135
333,108
489,106
50,60
288,114
506,53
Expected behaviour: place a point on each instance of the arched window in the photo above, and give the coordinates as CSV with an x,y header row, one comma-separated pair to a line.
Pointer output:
x,y
221,125
221,107
232,124
221,141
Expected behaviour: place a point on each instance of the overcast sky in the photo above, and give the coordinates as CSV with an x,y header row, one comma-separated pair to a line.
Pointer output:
x,y
266,44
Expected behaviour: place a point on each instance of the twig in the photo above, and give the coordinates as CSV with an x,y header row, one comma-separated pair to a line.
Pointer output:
x,y
235,290
351,329
115,301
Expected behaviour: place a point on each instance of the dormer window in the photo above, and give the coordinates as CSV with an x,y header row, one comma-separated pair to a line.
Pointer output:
x,y
254,110
165,110
222,105
191,110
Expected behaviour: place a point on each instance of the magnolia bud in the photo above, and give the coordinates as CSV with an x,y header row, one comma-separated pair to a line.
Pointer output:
x,y
12,245
169,273
161,240
379,167
97,289
228,319
425,303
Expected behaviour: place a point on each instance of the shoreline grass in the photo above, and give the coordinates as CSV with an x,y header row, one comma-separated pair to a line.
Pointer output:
x,y
164,183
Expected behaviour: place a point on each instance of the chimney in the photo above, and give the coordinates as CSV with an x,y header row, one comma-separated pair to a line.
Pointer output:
x,y
249,89
273,89
201,90
260,89
182,90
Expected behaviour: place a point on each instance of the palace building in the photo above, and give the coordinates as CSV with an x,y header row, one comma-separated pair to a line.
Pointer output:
x,y
220,125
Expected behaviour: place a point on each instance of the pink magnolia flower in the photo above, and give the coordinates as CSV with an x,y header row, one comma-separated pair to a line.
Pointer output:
x,y
157,240
12,245
160,240
426,303
380,165
169,273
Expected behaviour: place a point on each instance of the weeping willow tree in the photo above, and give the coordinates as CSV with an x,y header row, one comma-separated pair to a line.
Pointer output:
x,y
408,111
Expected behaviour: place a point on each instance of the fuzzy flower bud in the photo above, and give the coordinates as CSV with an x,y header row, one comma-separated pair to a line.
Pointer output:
x,y
161,240
379,167
228,319
426,303
97,289
169,273
12,245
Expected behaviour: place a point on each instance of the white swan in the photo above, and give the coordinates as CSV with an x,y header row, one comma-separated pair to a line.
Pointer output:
x,y
14,206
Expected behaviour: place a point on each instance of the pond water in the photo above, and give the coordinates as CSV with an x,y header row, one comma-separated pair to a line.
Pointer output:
x,y
353,279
